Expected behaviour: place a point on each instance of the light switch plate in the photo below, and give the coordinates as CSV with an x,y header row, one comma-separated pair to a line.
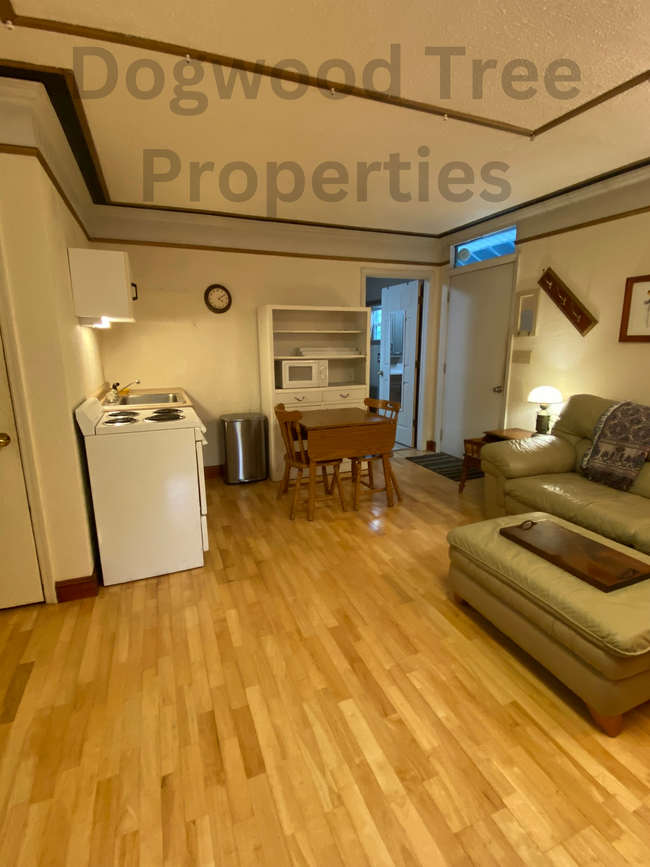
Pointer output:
x,y
521,356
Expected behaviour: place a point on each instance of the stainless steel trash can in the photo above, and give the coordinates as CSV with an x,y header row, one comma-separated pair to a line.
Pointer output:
x,y
245,436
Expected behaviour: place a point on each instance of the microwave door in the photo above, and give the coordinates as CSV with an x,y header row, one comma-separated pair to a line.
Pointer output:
x,y
301,374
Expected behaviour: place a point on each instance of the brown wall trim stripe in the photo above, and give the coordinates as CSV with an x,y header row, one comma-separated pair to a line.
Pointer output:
x,y
252,252
633,213
45,24
259,218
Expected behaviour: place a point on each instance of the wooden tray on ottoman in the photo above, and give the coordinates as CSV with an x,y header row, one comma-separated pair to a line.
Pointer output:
x,y
599,565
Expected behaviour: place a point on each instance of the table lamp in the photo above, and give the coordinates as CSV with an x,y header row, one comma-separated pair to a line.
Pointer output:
x,y
544,396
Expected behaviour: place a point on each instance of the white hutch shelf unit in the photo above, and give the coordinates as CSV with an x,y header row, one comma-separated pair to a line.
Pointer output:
x,y
281,331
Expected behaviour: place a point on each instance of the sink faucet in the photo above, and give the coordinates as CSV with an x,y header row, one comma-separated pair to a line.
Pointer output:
x,y
113,393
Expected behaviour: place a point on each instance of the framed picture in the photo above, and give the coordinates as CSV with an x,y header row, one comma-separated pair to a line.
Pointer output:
x,y
635,323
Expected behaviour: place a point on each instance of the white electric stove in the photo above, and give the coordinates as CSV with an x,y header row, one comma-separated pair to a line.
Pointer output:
x,y
148,489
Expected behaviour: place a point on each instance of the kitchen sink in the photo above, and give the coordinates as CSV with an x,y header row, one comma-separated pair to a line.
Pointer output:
x,y
148,399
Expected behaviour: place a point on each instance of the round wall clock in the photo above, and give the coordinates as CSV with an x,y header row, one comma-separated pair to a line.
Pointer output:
x,y
217,298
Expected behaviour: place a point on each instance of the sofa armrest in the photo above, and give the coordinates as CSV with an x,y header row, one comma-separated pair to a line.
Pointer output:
x,y
534,456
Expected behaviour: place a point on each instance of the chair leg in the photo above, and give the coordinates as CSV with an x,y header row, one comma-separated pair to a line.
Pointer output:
x,y
611,725
357,485
294,505
325,482
463,476
311,499
371,474
337,479
395,485
284,484
353,469
385,461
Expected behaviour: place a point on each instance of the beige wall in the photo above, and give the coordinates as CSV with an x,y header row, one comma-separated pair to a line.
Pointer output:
x,y
56,360
594,263
176,340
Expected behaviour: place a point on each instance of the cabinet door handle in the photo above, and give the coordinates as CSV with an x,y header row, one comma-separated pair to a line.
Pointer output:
x,y
344,395
300,398
134,297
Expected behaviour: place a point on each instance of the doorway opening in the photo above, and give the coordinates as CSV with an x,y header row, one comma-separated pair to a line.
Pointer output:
x,y
395,348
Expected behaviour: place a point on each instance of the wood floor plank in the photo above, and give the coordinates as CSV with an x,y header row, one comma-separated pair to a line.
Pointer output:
x,y
309,698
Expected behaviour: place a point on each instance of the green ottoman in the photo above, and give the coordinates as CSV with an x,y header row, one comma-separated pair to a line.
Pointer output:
x,y
596,643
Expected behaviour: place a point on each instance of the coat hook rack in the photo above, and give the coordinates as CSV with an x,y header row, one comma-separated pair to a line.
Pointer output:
x,y
563,298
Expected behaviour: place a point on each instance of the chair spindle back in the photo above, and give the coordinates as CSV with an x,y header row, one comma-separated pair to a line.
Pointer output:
x,y
292,434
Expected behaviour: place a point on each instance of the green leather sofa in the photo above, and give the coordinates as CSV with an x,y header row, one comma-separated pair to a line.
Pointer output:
x,y
542,474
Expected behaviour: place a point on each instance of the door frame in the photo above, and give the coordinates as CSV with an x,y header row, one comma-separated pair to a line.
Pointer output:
x,y
425,385
21,417
445,296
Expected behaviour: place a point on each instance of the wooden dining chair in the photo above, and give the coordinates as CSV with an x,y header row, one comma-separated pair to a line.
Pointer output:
x,y
390,410
297,457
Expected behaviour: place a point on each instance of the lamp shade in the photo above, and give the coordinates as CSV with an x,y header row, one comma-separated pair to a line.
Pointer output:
x,y
545,394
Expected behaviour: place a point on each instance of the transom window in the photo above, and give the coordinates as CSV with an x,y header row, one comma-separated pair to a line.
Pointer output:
x,y
487,247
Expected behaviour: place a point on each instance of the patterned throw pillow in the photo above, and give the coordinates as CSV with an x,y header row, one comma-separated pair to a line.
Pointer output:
x,y
620,446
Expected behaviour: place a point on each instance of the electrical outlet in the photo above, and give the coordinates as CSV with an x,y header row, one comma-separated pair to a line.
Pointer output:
x,y
521,356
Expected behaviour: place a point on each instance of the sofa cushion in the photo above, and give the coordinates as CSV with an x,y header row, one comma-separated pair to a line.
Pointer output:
x,y
618,622
624,517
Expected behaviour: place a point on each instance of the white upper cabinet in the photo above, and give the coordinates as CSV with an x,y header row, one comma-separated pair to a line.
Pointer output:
x,y
101,285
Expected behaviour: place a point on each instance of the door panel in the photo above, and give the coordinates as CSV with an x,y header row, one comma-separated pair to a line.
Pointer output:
x,y
478,330
20,580
398,354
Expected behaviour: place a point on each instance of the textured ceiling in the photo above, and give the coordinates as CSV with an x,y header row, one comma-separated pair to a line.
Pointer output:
x,y
608,41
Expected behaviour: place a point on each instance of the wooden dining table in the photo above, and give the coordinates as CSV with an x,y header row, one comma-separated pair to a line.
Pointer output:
x,y
349,432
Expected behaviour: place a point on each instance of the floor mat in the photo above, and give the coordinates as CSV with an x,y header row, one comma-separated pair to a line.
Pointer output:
x,y
445,465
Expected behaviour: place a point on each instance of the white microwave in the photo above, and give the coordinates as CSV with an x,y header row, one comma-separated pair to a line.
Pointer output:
x,y
303,373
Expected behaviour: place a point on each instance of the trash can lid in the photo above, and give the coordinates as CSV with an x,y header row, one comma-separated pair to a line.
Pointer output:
x,y
242,416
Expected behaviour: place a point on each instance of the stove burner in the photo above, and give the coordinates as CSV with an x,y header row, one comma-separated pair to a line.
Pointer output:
x,y
168,417
123,413
165,410
120,420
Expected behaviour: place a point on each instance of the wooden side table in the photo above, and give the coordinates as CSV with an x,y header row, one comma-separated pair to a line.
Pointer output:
x,y
472,456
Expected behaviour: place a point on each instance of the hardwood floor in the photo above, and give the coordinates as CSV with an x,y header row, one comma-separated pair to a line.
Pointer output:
x,y
311,698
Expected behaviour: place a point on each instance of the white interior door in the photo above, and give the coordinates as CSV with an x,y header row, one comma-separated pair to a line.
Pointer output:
x,y
478,330
20,580
398,354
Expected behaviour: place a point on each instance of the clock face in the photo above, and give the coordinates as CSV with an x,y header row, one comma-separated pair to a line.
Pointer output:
x,y
217,298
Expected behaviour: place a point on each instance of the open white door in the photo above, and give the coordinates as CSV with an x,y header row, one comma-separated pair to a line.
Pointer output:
x,y
20,580
398,356
478,331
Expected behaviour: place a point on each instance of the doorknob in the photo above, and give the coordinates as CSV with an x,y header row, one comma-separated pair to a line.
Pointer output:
x,y
5,439
381,372
497,389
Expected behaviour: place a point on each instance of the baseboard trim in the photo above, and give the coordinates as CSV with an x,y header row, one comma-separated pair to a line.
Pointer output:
x,y
77,588
214,472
